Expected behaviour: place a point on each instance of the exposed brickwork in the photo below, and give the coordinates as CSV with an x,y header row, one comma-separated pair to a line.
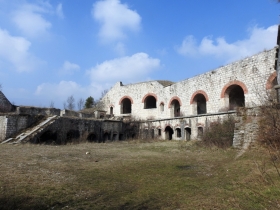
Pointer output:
x,y
235,82
149,94
269,83
199,92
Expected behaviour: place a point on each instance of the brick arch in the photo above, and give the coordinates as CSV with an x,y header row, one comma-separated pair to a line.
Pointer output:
x,y
168,125
235,82
199,92
131,100
269,82
161,103
173,98
111,105
149,94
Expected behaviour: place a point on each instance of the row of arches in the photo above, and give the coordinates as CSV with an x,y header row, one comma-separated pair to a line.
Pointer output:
x,y
173,133
233,93
51,137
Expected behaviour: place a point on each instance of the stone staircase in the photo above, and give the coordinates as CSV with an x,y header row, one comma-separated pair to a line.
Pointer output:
x,y
31,132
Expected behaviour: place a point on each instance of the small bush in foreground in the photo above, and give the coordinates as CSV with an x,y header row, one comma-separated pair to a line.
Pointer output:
x,y
220,133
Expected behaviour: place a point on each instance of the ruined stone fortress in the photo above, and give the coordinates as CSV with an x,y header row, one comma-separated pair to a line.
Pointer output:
x,y
155,109
181,110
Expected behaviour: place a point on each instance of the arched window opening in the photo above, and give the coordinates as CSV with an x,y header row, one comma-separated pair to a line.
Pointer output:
x,y
111,110
178,132
126,106
188,133
199,132
175,108
168,133
72,135
200,101
161,107
150,102
236,97
92,137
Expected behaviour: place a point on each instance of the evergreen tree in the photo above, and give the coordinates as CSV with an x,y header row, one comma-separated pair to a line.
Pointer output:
x,y
89,102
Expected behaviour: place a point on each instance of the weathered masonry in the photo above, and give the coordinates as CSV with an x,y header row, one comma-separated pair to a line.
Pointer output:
x,y
242,83
155,109
183,110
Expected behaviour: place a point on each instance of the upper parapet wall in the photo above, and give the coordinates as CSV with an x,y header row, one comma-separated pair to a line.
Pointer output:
x,y
5,104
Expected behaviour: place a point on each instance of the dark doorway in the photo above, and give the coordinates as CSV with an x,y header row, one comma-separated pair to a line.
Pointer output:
x,y
188,133
168,133
92,137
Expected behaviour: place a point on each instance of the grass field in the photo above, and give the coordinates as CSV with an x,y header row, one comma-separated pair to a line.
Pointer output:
x,y
136,175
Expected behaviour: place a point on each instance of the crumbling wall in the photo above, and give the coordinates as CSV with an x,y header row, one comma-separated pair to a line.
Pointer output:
x,y
12,124
246,127
5,104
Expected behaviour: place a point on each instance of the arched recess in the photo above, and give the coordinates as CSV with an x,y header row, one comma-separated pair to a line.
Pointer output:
x,y
234,94
168,132
161,106
126,103
150,101
111,109
92,137
271,81
174,105
198,102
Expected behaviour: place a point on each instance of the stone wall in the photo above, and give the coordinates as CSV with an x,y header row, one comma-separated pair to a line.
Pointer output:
x,y
65,130
252,74
13,124
182,128
5,104
246,127
37,111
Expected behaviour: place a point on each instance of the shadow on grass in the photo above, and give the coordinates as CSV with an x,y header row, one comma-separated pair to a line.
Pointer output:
x,y
21,202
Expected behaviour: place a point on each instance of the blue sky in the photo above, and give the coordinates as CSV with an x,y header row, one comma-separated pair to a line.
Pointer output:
x,y
52,49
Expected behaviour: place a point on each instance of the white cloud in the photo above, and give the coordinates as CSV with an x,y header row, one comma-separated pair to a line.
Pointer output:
x,y
115,18
59,11
69,68
59,92
133,68
259,39
29,19
15,50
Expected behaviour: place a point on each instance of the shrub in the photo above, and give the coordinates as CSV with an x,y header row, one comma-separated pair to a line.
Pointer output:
x,y
220,133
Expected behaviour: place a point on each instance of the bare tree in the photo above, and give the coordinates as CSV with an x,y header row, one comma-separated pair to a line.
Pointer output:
x,y
70,103
0,87
51,104
80,103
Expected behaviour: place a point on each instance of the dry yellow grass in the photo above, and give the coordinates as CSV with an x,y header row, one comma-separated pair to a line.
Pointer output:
x,y
135,175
